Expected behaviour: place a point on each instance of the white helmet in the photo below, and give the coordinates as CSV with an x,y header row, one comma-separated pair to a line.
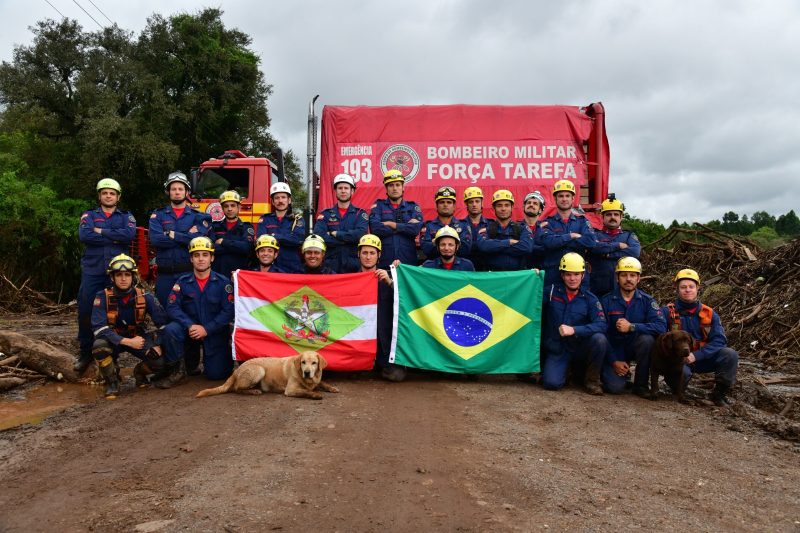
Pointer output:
x,y
281,186
180,177
344,178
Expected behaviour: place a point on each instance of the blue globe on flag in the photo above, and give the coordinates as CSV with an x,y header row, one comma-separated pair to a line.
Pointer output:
x,y
467,322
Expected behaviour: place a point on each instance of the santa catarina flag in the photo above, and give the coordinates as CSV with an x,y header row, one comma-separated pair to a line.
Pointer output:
x,y
279,315
467,322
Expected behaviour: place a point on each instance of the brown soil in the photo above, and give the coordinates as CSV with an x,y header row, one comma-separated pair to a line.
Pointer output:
x,y
424,455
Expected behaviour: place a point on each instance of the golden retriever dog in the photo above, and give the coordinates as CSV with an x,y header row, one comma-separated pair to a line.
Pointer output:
x,y
297,376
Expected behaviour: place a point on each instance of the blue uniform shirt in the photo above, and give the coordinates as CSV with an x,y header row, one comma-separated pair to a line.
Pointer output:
x,y
236,248
341,254
536,257
172,255
690,322
429,230
289,231
125,316
642,312
115,237
459,264
477,258
555,237
211,308
498,252
606,253
583,312
396,243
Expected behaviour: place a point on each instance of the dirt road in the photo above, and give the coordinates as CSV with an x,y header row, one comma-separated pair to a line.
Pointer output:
x,y
424,455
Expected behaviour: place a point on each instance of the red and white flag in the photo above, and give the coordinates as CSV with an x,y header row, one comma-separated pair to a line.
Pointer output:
x,y
279,315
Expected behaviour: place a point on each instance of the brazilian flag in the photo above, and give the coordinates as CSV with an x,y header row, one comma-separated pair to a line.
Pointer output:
x,y
467,322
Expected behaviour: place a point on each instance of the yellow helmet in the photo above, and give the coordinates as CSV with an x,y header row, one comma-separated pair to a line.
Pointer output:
x,y
201,244
563,185
472,192
121,262
267,241
370,240
687,273
230,196
629,264
446,231
611,204
445,193
502,194
393,175
108,183
572,262
313,241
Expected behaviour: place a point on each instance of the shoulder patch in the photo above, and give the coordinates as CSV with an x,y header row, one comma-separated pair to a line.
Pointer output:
x,y
599,305
205,223
153,215
97,301
320,217
229,288
84,216
417,208
654,305
300,223
176,288
130,217
543,224
250,230
374,206
364,215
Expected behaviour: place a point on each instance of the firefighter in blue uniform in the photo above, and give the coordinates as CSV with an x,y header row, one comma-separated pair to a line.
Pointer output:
x,y
447,242
396,222
201,310
445,200
171,229
532,207
710,352
267,249
106,232
233,239
475,221
119,315
313,253
287,227
564,231
341,226
613,243
573,329
634,321
505,244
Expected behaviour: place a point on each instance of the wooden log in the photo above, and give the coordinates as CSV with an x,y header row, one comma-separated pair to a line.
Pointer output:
x,y
39,356
8,361
10,383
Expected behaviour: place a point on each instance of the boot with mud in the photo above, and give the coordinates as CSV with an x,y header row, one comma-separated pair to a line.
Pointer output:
x,y
82,363
720,395
176,376
143,371
592,384
109,372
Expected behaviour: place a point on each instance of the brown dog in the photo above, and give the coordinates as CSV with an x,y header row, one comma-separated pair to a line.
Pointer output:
x,y
295,376
667,359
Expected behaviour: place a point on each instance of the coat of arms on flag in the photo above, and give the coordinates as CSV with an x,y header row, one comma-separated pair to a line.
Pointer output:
x,y
279,315
467,322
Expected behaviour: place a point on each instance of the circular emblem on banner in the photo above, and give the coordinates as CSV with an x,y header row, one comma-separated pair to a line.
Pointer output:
x,y
216,212
467,321
403,158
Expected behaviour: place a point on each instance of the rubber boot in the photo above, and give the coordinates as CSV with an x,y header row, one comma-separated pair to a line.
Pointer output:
x,y
395,373
720,395
109,372
592,384
82,363
176,376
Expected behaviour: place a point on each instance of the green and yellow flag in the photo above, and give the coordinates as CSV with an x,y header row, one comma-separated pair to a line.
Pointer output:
x,y
467,322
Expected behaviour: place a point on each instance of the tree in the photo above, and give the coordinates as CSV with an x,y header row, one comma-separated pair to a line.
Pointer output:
x,y
763,219
103,104
646,230
766,237
788,224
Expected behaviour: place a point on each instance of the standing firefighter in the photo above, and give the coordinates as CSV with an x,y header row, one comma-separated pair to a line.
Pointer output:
x,y
233,239
613,243
475,221
171,228
200,309
564,231
505,244
119,313
396,221
445,208
710,352
533,206
341,226
572,329
634,321
288,228
106,232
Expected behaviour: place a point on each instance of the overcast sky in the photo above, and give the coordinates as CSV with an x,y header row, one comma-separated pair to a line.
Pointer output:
x,y
701,97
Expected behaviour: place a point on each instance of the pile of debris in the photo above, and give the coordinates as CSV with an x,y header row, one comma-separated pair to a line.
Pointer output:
x,y
756,292
21,298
